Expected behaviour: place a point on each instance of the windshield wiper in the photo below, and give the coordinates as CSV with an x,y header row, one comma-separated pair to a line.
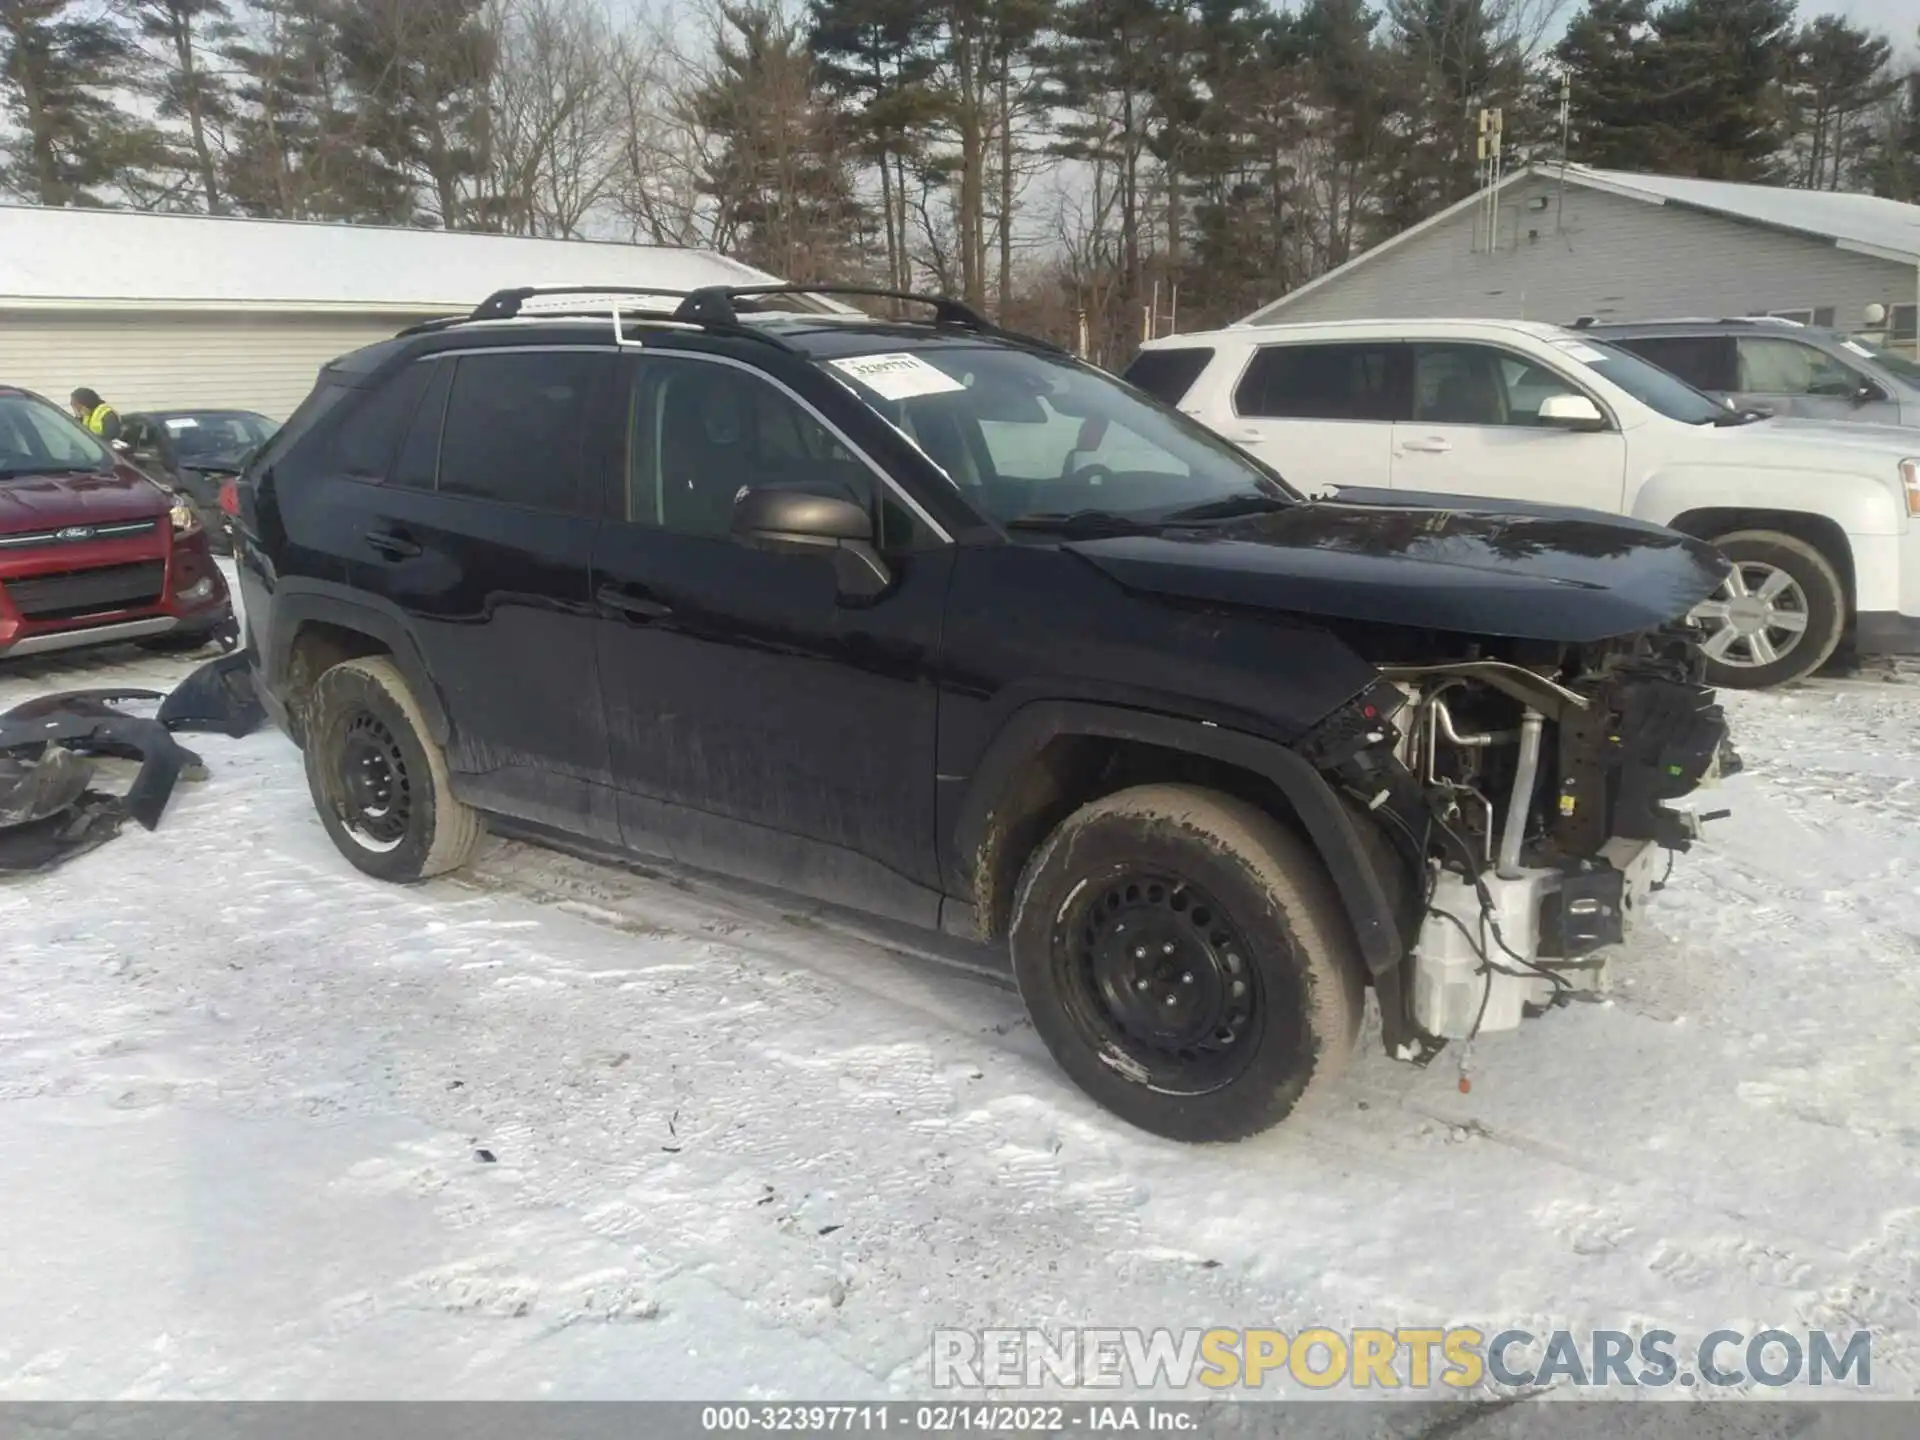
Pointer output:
x,y
23,472
1083,522
1230,507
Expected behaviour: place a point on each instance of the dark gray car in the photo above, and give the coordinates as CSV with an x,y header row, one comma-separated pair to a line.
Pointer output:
x,y
1780,366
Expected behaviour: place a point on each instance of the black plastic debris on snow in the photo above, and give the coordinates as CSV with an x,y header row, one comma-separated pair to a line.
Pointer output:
x,y
218,698
48,811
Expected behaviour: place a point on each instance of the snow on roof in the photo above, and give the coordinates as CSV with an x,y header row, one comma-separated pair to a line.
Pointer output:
x,y
1887,228
119,257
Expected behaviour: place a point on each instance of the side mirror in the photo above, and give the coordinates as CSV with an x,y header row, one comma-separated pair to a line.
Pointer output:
x,y
1571,412
121,447
1868,395
799,523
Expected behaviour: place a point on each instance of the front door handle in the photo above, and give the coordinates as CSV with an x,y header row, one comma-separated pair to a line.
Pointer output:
x,y
392,544
1432,445
632,603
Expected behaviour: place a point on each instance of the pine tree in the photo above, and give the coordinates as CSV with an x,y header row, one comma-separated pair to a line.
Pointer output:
x,y
779,180
295,149
876,58
59,65
1117,70
1350,92
1449,60
1722,63
187,86
1611,57
419,71
1839,77
1892,168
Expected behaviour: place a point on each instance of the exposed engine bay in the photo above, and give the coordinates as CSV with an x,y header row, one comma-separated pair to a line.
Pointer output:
x,y
1531,799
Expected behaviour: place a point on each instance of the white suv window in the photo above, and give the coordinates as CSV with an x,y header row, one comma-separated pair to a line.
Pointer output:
x,y
1771,366
1353,381
1478,385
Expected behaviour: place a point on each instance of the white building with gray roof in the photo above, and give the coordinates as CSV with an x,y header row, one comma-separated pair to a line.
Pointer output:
x,y
1559,244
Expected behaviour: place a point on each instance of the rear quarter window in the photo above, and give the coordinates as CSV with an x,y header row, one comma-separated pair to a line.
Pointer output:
x,y
1168,374
1361,380
369,434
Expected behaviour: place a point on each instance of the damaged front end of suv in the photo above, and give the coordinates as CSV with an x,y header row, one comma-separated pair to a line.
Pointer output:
x,y
1526,729
1532,771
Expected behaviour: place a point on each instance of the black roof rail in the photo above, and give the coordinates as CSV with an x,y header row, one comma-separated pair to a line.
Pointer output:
x,y
714,303
714,308
505,304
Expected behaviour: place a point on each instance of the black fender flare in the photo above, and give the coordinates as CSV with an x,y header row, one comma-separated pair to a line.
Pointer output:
x,y
353,610
1328,822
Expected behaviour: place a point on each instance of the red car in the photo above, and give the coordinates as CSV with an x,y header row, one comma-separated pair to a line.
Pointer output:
x,y
92,552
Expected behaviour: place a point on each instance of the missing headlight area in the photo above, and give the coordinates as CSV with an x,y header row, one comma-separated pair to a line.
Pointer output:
x,y
54,800
1535,798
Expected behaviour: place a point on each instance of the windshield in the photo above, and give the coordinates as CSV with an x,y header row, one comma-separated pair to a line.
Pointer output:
x,y
1887,360
36,439
1026,435
1644,381
216,433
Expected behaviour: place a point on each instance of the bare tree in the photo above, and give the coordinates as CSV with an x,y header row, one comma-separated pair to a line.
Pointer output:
x,y
555,113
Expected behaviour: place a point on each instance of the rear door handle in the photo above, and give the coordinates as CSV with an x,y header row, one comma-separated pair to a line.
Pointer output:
x,y
392,544
634,604
1432,445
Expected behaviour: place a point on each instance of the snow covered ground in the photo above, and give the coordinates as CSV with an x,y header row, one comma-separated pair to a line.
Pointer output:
x,y
731,1147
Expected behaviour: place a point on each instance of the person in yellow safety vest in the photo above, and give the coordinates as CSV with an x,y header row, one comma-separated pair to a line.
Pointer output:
x,y
94,413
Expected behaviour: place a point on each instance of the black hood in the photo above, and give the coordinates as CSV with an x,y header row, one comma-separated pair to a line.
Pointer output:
x,y
1436,562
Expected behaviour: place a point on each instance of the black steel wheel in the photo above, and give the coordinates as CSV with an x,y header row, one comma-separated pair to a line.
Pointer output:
x,y
1186,960
1154,968
378,780
376,793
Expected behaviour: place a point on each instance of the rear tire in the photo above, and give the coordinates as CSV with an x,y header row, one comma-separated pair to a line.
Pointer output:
x,y
378,779
1779,617
1187,961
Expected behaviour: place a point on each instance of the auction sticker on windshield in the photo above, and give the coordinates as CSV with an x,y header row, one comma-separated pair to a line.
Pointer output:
x,y
897,377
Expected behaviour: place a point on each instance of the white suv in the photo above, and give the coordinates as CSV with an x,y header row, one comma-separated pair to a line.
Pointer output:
x,y
1817,516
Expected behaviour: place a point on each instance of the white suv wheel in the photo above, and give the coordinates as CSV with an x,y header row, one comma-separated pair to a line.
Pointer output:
x,y
1755,618
1778,616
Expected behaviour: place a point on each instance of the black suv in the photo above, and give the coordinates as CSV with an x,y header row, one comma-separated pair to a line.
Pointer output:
x,y
936,622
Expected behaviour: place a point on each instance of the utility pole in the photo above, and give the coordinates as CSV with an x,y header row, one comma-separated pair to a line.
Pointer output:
x,y
1490,156
1566,132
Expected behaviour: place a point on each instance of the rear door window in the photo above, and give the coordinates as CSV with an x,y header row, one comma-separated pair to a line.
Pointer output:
x,y
1168,374
1703,361
515,426
1358,381
370,433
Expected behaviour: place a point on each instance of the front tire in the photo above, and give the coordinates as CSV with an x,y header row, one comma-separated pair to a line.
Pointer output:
x,y
1778,617
1185,959
379,781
